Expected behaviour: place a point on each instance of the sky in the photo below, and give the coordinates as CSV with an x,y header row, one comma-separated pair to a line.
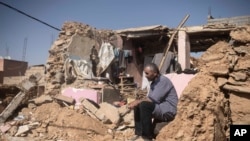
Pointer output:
x,y
24,38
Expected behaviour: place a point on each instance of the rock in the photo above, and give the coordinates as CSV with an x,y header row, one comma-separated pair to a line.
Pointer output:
x,y
5,128
123,110
13,130
212,57
59,78
94,111
242,63
22,129
241,34
27,85
41,130
238,76
42,99
233,60
59,42
65,99
241,89
31,106
233,82
219,70
221,81
128,119
101,116
113,116
242,49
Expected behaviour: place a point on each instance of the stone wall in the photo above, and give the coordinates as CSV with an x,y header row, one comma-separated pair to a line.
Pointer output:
x,y
75,40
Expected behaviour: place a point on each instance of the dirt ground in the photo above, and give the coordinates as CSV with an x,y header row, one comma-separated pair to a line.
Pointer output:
x,y
55,122
205,110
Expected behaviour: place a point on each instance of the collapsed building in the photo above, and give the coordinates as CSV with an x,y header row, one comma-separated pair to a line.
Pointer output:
x,y
106,66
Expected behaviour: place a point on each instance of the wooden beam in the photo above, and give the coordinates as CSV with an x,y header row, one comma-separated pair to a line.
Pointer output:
x,y
171,40
11,107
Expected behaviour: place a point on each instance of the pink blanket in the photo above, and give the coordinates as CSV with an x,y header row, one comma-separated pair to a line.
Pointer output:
x,y
180,81
79,94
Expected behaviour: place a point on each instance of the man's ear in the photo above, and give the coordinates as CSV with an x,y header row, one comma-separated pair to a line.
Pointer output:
x,y
155,73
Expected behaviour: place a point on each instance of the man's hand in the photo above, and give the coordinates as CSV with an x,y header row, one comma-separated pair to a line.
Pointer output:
x,y
133,104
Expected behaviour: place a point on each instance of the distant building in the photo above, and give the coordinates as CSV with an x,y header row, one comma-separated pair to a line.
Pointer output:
x,y
11,70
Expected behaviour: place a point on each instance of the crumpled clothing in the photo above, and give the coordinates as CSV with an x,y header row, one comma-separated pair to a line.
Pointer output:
x,y
77,68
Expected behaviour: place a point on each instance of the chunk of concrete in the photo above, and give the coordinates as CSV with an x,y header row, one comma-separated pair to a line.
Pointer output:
x,y
5,128
27,85
123,110
42,99
22,129
101,116
11,107
129,119
65,99
90,107
111,112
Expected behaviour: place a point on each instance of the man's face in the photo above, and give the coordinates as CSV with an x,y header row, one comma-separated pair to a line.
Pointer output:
x,y
150,75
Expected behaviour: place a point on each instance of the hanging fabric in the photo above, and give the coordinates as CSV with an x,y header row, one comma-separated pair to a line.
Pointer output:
x,y
106,56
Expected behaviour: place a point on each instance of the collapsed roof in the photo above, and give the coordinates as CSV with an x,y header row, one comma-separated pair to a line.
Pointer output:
x,y
143,31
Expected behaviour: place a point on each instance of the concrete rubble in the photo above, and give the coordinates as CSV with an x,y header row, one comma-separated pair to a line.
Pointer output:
x,y
207,108
25,86
212,100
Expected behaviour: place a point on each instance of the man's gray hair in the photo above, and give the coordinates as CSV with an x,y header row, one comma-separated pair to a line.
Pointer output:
x,y
153,67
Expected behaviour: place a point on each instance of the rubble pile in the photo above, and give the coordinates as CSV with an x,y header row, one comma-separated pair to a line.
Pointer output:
x,y
55,117
241,34
60,51
47,119
215,98
219,94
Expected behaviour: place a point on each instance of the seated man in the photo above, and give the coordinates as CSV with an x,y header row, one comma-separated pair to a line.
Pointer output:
x,y
160,104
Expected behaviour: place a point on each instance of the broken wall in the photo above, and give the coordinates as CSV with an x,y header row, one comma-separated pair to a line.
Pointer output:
x,y
217,96
75,41
11,68
238,21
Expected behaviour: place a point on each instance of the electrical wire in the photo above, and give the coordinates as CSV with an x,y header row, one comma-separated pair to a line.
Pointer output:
x,y
29,16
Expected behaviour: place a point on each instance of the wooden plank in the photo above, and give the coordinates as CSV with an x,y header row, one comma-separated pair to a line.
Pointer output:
x,y
170,42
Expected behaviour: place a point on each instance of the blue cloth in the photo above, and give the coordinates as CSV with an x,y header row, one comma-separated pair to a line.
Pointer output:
x,y
164,96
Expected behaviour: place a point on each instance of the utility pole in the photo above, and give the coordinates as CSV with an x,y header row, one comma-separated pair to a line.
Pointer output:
x,y
24,49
